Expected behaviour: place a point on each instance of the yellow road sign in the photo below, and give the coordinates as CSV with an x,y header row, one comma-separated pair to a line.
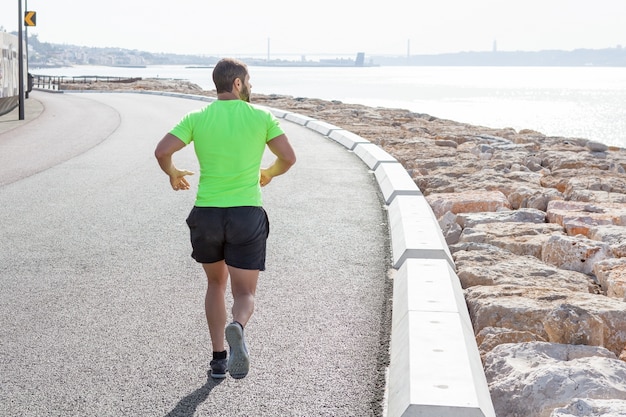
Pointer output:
x,y
30,18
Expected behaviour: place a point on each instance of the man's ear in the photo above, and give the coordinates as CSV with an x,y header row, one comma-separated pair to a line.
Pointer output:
x,y
237,84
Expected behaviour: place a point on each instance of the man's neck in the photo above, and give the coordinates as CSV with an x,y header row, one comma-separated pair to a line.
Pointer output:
x,y
227,96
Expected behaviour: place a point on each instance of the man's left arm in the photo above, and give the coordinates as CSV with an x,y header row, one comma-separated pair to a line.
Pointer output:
x,y
169,145
285,158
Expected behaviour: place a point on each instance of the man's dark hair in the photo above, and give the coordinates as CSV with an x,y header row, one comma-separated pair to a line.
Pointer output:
x,y
225,73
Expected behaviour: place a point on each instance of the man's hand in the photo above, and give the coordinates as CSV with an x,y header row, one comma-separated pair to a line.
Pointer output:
x,y
178,180
266,178
163,153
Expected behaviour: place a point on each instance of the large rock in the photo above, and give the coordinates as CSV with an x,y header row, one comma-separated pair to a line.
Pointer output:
x,y
490,179
490,337
579,217
574,325
607,182
611,274
575,158
533,379
615,236
554,314
527,215
490,265
574,253
601,197
605,178
467,202
535,197
592,408
519,238
450,228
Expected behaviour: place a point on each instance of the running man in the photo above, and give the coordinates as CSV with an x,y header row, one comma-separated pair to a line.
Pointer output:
x,y
228,225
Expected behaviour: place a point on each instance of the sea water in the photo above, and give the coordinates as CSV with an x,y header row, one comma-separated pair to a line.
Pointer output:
x,y
582,102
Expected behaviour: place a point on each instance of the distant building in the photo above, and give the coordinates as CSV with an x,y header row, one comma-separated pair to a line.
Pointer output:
x,y
360,59
9,72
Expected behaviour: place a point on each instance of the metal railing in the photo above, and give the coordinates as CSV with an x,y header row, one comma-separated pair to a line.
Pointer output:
x,y
55,82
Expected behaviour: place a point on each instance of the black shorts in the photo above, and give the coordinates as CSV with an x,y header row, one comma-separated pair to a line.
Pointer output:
x,y
237,235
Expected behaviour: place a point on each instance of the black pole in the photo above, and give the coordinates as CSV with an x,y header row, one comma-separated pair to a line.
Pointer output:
x,y
26,45
20,54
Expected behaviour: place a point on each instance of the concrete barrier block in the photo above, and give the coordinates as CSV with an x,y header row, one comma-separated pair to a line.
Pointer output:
x,y
323,128
200,98
298,118
433,369
393,180
347,139
415,232
427,285
373,155
281,114
188,96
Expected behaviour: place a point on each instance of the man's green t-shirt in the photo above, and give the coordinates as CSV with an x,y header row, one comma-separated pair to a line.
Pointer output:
x,y
229,140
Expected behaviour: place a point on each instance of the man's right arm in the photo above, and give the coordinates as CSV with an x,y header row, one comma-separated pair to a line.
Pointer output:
x,y
285,158
163,153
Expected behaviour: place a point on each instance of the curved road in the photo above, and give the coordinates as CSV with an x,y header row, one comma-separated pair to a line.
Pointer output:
x,y
101,306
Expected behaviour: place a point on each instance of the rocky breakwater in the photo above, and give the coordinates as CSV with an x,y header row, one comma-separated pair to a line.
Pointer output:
x,y
536,225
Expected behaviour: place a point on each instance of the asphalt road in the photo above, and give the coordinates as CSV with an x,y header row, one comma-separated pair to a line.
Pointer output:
x,y
101,305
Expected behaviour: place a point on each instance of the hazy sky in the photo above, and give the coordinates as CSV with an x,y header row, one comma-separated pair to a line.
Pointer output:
x,y
326,26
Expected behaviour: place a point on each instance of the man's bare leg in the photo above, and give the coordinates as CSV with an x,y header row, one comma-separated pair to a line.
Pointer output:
x,y
243,284
215,303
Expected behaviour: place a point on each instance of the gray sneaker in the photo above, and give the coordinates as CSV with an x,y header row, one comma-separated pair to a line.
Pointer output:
x,y
219,368
238,359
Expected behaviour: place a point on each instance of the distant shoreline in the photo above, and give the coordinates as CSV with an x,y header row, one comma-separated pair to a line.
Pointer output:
x,y
48,56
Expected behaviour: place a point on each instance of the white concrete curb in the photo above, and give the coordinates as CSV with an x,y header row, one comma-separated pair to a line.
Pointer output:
x,y
322,128
298,118
435,368
372,155
348,139
393,181
415,232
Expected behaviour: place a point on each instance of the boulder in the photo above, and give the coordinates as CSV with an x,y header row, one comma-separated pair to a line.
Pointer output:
x,y
592,408
578,217
611,275
594,196
587,318
467,202
448,143
520,238
574,253
576,160
615,236
610,181
533,379
490,265
587,178
490,337
594,146
526,215
450,228
574,325
537,197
